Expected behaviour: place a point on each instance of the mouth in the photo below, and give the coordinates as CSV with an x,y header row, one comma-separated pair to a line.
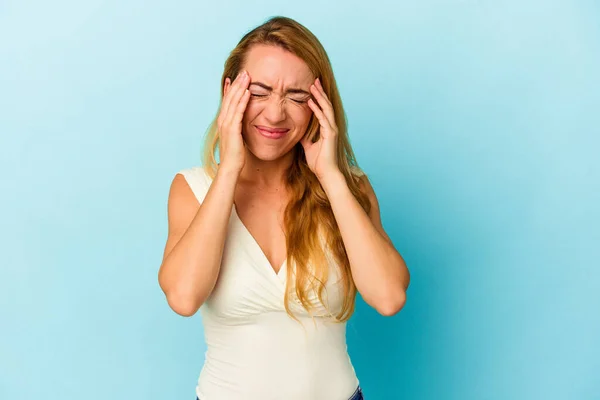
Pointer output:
x,y
271,133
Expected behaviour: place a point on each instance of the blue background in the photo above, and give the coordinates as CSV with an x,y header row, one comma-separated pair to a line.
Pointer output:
x,y
476,121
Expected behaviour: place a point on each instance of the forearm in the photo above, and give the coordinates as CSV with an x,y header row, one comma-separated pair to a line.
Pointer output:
x,y
379,271
189,272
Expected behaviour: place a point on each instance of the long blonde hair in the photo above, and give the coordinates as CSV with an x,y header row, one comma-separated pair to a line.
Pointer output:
x,y
308,212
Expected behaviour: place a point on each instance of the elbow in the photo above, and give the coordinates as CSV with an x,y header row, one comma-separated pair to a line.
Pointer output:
x,y
179,303
182,305
392,304
185,310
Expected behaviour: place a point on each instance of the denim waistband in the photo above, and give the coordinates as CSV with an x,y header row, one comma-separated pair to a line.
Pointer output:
x,y
357,395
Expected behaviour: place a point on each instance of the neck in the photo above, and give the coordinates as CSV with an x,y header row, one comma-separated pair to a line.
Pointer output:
x,y
266,174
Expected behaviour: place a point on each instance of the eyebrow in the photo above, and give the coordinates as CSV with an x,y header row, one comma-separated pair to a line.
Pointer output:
x,y
290,90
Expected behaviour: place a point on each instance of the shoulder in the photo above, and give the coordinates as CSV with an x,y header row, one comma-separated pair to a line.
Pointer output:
x,y
181,192
363,181
193,180
366,188
374,212
194,172
185,197
188,190
357,171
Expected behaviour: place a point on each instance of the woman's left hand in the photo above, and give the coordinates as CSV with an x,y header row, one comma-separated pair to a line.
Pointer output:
x,y
322,155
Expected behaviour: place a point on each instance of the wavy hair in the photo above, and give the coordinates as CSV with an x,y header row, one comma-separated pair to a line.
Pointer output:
x,y
309,222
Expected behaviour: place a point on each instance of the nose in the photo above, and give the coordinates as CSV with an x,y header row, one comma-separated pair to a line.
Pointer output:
x,y
274,110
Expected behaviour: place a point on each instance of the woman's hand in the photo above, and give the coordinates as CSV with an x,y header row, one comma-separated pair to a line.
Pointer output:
x,y
322,155
232,151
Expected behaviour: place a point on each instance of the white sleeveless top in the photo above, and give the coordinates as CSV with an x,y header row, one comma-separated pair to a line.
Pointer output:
x,y
255,350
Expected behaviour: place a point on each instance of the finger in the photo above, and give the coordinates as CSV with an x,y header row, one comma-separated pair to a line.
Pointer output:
x,y
319,113
233,88
226,97
238,113
306,142
319,84
236,99
320,87
226,90
231,93
323,102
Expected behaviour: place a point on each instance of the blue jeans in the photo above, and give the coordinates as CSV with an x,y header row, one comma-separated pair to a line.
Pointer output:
x,y
357,395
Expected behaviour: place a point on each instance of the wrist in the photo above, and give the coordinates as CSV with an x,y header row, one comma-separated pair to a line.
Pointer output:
x,y
228,171
332,180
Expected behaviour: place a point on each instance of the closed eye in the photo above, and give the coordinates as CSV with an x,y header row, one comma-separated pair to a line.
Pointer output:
x,y
300,101
294,100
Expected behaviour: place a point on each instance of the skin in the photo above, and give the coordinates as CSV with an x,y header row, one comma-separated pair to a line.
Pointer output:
x,y
267,159
260,195
379,271
251,177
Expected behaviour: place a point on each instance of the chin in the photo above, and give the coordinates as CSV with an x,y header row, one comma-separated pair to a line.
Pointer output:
x,y
265,153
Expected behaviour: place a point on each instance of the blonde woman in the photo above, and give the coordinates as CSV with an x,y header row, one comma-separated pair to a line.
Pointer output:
x,y
272,243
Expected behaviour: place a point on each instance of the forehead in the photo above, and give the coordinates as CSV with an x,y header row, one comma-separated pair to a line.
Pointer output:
x,y
277,67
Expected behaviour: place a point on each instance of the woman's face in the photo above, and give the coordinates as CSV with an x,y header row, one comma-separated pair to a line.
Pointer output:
x,y
277,115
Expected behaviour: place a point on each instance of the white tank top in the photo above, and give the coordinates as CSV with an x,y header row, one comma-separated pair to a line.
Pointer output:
x,y
255,350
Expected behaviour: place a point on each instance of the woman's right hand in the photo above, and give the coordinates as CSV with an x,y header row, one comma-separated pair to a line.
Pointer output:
x,y
232,151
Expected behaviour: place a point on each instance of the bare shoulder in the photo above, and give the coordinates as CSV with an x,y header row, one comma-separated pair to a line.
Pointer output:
x,y
363,183
181,209
181,192
374,214
366,187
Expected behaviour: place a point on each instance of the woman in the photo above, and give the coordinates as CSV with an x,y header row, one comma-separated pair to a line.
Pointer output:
x,y
272,243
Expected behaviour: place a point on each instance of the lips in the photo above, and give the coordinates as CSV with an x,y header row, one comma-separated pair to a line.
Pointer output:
x,y
271,133
272,130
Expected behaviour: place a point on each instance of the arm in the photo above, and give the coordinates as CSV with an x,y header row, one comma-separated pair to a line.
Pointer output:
x,y
192,256
379,271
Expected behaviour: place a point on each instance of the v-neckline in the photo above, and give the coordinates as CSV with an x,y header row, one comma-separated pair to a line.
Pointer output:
x,y
282,267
